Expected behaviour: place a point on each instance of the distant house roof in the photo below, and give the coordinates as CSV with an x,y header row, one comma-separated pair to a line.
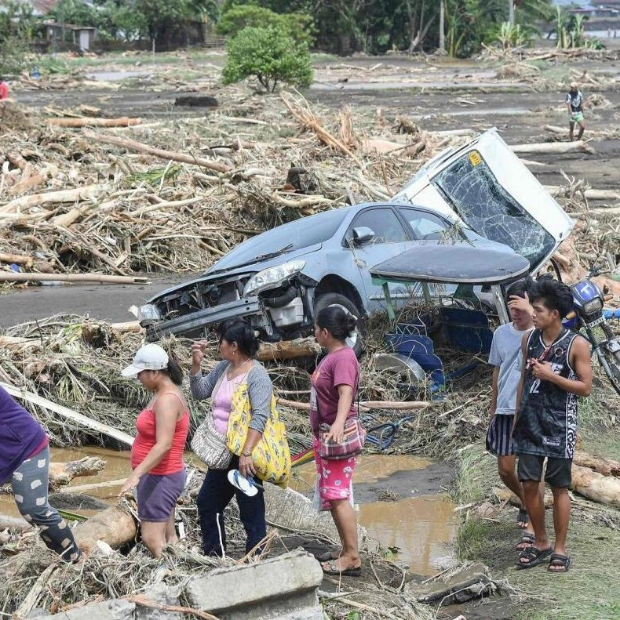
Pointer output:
x,y
42,7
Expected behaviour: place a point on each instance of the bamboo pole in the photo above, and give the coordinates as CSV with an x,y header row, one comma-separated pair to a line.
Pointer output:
x,y
6,276
69,414
364,405
133,145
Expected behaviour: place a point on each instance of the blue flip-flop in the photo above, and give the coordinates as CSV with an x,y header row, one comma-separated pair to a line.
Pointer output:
x,y
245,485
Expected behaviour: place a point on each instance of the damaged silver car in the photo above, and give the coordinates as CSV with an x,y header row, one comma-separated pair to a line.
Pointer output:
x,y
280,279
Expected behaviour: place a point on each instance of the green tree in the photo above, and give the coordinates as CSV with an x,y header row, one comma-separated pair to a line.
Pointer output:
x,y
297,25
270,55
17,31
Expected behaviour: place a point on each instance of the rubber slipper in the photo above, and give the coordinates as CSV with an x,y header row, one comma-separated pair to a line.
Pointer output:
x,y
245,485
328,556
534,556
332,569
561,562
522,518
527,540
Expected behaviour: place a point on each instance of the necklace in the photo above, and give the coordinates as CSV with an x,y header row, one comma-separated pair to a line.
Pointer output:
x,y
234,371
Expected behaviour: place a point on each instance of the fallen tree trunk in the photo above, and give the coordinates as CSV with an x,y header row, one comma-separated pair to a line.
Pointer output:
x,y
114,526
63,473
133,145
288,349
590,194
6,276
85,121
69,414
553,147
64,195
601,465
14,523
595,486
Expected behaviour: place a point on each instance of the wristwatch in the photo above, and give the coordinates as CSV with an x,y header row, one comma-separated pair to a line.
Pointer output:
x,y
246,454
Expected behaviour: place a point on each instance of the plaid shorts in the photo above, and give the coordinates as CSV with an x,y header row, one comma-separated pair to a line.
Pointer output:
x,y
499,435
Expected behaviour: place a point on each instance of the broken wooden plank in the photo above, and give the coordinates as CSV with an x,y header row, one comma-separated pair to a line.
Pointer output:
x,y
69,414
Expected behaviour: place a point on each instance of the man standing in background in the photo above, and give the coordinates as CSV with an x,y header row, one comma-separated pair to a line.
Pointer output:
x,y
574,105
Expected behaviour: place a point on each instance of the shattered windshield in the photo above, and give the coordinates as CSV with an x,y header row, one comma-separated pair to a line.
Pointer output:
x,y
473,192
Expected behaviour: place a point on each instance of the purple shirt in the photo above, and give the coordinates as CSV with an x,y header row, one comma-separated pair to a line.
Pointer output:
x,y
20,435
338,368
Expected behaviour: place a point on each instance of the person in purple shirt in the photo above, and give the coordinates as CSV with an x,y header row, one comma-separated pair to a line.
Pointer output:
x,y
24,460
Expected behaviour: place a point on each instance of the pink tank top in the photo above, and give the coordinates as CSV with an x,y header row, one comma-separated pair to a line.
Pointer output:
x,y
222,402
146,438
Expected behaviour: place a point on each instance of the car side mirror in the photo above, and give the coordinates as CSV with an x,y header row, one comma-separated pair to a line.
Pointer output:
x,y
362,235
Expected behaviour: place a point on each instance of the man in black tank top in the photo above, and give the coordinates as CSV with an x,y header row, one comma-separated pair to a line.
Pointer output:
x,y
555,371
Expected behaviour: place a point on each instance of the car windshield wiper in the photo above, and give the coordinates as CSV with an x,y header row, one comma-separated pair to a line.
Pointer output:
x,y
255,259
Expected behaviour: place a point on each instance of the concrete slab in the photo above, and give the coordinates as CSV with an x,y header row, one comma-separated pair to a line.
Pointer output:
x,y
281,588
116,609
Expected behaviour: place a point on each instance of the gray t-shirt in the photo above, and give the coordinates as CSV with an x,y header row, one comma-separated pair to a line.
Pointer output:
x,y
506,353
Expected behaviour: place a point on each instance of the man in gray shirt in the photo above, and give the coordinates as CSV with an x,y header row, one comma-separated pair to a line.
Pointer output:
x,y
505,356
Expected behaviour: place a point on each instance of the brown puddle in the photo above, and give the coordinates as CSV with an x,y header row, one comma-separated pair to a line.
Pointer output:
x,y
413,531
416,530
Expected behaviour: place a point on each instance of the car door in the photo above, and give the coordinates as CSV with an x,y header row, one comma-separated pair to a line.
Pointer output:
x,y
389,238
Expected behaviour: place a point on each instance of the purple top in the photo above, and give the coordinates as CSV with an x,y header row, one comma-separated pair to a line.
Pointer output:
x,y
20,435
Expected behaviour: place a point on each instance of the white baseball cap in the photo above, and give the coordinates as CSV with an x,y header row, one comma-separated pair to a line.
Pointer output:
x,y
149,357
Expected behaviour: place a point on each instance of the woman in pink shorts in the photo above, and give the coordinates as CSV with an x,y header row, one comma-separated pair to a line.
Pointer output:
x,y
334,386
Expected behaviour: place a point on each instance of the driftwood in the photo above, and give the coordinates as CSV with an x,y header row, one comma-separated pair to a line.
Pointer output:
x,y
601,465
66,195
590,194
63,473
14,523
6,276
69,414
18,259
133,145
596,487
94,122
578,146
114,526
288,349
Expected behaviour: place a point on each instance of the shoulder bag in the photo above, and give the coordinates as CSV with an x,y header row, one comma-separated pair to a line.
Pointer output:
x,y
352,443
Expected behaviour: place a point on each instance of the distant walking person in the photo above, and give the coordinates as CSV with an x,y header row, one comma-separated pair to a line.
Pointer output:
x,y
25,461
574,105
4,89
557,369
505,356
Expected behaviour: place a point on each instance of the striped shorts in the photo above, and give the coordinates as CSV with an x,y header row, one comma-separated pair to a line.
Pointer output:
x,y
499,439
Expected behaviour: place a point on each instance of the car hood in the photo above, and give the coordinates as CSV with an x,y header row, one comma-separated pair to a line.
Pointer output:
x,y
247,270
485,185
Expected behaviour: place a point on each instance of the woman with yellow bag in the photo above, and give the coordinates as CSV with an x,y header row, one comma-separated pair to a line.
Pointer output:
x,y
252,443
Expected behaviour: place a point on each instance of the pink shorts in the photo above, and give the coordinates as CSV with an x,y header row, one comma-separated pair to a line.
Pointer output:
x,y
335,477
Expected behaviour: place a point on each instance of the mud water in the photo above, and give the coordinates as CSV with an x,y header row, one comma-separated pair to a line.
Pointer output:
x,y
400,501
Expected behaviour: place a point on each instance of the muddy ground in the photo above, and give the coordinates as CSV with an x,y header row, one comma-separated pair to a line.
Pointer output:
x,y
437,94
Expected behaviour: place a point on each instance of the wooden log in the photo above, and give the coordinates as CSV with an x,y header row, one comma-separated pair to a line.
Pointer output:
x,y
18,259
133,145
114,526
85,121
590,194
65,195
595,486
6,276
288,349
14,523
364,405
69,414
17,343
63,473
578,146
599,464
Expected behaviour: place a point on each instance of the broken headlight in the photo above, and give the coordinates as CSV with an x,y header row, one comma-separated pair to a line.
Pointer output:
x,y
148,312
272,277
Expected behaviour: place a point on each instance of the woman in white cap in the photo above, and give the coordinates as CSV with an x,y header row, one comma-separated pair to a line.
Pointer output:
x,y
157,452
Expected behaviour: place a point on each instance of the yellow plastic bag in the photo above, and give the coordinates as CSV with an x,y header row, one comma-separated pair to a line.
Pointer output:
x,y
271,455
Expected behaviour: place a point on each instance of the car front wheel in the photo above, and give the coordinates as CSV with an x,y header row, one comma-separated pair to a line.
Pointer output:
x,y
355,341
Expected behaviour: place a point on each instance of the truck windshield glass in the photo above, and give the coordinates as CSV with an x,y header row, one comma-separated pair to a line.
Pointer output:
x,y
471,189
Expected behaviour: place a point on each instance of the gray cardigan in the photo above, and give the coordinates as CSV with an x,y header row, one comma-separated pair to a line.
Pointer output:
x,y
260,390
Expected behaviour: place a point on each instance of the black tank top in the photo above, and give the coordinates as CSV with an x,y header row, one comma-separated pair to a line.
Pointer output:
x,y
547,419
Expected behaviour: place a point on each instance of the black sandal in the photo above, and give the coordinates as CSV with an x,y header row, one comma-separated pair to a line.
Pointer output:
x,y
527,540
522,518
534,556
560,562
